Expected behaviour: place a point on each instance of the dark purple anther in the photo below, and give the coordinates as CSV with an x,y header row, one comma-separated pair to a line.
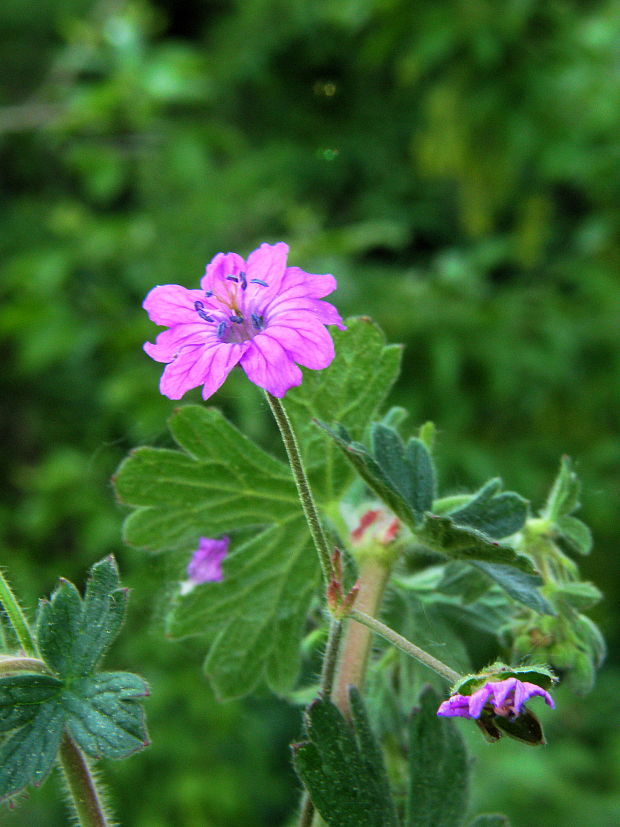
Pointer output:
x,y
220,329
232,278
257,321
205,317
243,280
236,319
259,281
208,294
198,306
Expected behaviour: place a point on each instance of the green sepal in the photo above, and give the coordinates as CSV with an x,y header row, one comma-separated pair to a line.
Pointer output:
x,y
342,767
438,768
539,675
103,716
564,495
27,756
74,634
21,696
525,728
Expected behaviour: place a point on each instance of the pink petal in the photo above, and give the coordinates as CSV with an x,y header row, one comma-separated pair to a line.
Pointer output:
x,y
297,282
503,689
325,312
307,342
479,699
171,304
220,266
533,689
205,364
268,263
269,366
170,342
455,707
206,563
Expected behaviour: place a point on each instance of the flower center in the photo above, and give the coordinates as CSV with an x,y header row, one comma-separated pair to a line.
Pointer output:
x,y
235,315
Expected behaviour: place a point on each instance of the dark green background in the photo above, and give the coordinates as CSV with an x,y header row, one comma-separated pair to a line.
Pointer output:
x,y
454,164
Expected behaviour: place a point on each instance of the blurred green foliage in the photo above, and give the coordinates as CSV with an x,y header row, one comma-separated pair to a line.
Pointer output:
x,y
454,165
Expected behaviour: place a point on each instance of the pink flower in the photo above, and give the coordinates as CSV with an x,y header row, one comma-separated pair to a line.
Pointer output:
x,y
206,563
260,314
506,698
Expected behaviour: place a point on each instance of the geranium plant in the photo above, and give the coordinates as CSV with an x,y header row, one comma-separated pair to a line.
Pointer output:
x,y
310,578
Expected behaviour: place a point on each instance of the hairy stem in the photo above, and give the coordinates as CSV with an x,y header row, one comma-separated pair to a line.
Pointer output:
x,y
303,486
17,618
330,660
351,667
85,796
405,645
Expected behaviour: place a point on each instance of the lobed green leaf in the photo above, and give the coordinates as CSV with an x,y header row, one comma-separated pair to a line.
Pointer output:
x,y
342,766
27,756
438,766
442,534
103,716
74,634
21,696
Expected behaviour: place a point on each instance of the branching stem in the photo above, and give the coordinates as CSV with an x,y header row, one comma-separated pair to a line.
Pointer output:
x,y
405,645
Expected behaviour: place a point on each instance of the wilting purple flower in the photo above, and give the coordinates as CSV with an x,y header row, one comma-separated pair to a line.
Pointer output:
x,y
260,314
206,563
507,698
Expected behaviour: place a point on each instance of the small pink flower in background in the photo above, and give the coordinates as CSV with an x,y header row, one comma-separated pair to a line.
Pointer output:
x,y
506,698
206,563
259,313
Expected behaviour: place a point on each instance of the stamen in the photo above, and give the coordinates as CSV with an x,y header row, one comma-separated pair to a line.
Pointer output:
x,y
244,281
208,294
220,329
259,281
257,321
236,319
232,278
198,306
204,316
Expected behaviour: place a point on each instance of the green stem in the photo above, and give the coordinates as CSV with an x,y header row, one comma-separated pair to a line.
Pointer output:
x,y
17,618
85,796
405,645
330,660
303,486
